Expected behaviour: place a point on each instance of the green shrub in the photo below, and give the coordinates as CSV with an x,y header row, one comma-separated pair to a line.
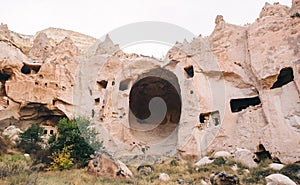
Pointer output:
x,y
219,161
30,139
61,159
174,162
76,133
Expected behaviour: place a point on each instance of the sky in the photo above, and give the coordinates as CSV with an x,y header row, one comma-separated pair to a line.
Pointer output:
x,y
98,17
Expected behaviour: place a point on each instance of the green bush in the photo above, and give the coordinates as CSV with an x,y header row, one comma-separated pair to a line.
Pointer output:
x,y
219,161
31,138
76,133
61,160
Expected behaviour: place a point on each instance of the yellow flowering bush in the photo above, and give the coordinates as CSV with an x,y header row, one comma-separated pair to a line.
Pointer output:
x,y
61,159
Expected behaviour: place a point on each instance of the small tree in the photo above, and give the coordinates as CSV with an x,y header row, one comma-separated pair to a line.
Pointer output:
x,y
30,139
76,133
61,159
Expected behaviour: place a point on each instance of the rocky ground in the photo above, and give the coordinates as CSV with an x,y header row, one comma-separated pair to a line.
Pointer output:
x,y
171,171
220,168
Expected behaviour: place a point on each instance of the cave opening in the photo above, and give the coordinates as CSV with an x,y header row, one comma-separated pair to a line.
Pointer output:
x,y
285,76
4,77
97,101
30,69
238,105
102,84
124,84
189,71
142,93
5,74
212,118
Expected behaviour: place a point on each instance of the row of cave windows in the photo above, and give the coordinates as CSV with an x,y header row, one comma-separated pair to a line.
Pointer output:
x,y
236,105
125,83
46,84
285,76
51,132
28,69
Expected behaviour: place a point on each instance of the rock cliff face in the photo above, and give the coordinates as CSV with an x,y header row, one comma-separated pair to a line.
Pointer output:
x,y
234,88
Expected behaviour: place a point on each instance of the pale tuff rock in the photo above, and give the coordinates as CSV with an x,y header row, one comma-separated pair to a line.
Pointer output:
x,y
4,32
232,89
295,9
107,47
245,156
104,164
81,41
279,179
41,48
222,154
12,132
276,166
274,10
219,19
164,177
203,161
203,182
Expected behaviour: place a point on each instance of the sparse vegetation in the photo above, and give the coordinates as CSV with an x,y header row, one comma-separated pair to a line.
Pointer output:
x,y
187,171
75,141
257,175
293,171
16,169
4,144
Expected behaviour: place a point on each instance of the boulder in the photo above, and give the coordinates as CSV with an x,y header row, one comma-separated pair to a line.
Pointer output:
x,y
26,155
164,177
222,154
276,166
234,167
180,181
279,179
245,156
203,161
105,165
221,178
145,169
124,169
12,132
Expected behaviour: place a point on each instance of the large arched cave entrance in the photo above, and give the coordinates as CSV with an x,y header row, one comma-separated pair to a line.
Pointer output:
x,y
165,93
